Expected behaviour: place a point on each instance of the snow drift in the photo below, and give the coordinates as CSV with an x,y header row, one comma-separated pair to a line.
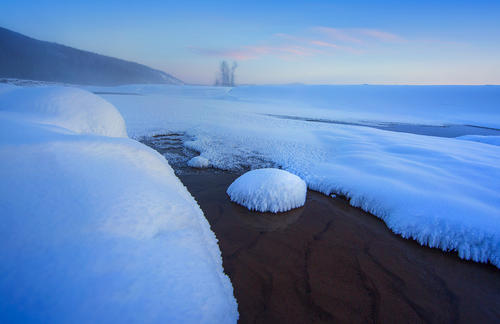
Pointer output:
x,y
492,140
70,108
96,228
268,189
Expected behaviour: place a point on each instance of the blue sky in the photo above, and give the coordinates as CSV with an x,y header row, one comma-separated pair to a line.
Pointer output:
x,y
395,42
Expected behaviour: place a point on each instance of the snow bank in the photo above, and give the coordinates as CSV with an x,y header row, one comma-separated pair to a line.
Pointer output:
x,y
198,162
76,110
268,189
493,140
442,192
98,229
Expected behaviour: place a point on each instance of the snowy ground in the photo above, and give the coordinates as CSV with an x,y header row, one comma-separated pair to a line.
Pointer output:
x,y
96,227
442,192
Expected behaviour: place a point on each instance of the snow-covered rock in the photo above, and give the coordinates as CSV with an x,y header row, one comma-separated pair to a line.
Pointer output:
x,y
74,109
199,162
97,229
268,189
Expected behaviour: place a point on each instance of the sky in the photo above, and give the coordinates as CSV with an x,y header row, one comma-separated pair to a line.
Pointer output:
x,y
277,42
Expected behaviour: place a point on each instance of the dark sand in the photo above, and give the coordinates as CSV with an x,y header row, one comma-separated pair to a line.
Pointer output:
x,y
330,262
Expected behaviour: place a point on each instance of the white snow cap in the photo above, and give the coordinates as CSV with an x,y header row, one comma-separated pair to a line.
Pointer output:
x,y
268,189
74,109
199,162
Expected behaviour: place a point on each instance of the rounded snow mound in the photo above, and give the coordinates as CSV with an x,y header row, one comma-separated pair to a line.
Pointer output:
x,y
74,109
199,162
269,189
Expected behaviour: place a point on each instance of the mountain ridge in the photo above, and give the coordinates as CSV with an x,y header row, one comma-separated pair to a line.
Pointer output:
x,y
24,57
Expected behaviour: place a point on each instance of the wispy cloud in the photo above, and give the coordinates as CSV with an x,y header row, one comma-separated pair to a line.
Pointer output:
x,y
318,40
381,35
252,52
335,46
357,35
338,34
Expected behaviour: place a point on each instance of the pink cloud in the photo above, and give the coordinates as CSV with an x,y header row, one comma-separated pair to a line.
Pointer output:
x,y
322,40
305,41
338,34
335,46
324,44
357,35
381,35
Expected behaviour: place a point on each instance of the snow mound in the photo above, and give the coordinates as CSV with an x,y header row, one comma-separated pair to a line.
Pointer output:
x,y
74,109
98,229
199,162
268,189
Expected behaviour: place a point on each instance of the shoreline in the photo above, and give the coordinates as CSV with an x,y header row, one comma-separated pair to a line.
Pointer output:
x,y
329,261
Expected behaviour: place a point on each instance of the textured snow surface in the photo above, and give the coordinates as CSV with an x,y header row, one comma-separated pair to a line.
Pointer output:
x,y
268,189
493,140
436,105
198,162
98,229
74,109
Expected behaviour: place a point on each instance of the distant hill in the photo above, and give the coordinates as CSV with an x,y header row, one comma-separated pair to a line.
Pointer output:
x,y
23,57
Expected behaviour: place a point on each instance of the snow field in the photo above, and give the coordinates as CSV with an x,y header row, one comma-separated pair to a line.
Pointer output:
x,y
492,140
441,192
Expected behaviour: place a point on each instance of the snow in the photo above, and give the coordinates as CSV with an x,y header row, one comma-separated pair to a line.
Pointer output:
x,y
493,140
5,87
268,189
431,105
70,108
97,228
198,162
441,192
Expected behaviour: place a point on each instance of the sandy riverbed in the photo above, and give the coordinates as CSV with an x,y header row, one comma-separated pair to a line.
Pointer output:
x,y
330,262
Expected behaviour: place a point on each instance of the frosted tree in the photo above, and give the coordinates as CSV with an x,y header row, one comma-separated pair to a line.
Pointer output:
x,y
226,74
233,68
